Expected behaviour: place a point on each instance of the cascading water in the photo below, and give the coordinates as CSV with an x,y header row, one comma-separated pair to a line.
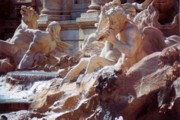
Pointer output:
x,y
17,97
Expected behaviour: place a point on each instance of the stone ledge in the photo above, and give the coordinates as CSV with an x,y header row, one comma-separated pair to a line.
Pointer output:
x,y
88,17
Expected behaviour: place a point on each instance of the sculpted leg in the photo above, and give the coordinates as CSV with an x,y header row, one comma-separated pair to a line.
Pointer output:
x,y
76,69
120,63
7,48
27,61
97,62
6,65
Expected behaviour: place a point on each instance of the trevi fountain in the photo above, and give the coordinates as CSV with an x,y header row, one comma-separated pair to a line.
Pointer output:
x,y
90,60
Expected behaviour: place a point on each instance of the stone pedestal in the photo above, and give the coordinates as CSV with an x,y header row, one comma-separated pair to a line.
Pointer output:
x,y
96,5
88,18
55,10
78,7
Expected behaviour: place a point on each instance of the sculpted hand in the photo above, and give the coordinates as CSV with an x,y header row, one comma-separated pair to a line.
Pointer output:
x,y
110,36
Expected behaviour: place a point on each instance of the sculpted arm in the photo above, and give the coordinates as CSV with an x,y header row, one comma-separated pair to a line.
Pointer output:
x,y
107,47
127,44
125,48
129,40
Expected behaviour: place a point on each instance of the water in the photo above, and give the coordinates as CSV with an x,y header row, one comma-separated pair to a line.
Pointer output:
x,y
18,97
6,99
32,75
20,93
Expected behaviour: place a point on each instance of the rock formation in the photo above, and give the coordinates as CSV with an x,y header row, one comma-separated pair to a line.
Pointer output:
x,y
147,89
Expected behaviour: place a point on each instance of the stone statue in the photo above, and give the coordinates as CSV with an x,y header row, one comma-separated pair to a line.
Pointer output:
x,y
130,13
124,35
163,15
89,39
43,43
109,56
29,45
130,10
124,42
15,47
